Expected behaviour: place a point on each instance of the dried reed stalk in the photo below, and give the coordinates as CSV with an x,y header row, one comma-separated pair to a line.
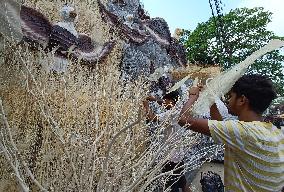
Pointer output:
x,y
78,131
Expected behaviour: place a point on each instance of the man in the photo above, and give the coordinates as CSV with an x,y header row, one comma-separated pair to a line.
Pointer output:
x,y
254,150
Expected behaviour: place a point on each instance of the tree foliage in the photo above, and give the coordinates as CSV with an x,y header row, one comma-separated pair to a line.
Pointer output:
x,y
242,32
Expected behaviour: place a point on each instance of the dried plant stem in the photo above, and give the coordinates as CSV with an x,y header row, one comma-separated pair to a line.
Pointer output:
x,y
105,163
22,184
46,114
152,176
15,168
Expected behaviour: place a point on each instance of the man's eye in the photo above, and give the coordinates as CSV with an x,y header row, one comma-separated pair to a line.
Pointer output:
x,y
227,96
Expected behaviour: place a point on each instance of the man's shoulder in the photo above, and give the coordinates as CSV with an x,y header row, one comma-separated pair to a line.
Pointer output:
x,y
223,123
264,132
243,127
256,125
259,126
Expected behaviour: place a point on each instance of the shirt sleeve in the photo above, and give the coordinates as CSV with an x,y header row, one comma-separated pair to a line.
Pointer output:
x,y
232,133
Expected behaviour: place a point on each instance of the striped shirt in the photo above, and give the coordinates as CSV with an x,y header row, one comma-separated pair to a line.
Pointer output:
x,y
254,155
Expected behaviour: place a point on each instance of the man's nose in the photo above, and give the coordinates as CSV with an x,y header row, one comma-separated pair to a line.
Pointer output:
x,y
227,103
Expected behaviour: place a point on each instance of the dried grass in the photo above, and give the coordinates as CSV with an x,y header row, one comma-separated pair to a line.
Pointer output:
x,y
203,73
79,131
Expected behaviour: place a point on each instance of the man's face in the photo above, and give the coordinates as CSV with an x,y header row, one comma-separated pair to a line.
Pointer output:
x,y
232,103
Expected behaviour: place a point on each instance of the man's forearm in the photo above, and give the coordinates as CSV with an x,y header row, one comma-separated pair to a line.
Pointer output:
x,y
197,125
186,119
214,113
185,114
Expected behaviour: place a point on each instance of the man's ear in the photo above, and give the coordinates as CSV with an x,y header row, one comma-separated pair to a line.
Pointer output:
x,y
242,100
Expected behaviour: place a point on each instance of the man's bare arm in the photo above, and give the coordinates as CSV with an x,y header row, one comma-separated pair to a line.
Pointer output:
x,y
185,114
198,125
214,113
186,119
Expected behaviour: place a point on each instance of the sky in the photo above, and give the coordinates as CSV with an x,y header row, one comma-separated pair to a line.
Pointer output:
x,y
186,14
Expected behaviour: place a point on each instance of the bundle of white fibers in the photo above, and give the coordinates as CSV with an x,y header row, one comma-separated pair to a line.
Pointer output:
x,y
222,84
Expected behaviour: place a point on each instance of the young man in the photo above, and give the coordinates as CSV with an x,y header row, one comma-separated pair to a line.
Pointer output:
x,y
170,117
254,150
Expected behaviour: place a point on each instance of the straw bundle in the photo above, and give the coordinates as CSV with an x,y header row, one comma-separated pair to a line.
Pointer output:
x,y
196,71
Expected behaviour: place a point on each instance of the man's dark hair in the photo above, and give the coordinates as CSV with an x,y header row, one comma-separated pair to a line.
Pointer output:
x,y
257,89
174,95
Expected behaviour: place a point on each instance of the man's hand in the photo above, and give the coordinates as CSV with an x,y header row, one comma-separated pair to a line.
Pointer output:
x,y
151,98
195,90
